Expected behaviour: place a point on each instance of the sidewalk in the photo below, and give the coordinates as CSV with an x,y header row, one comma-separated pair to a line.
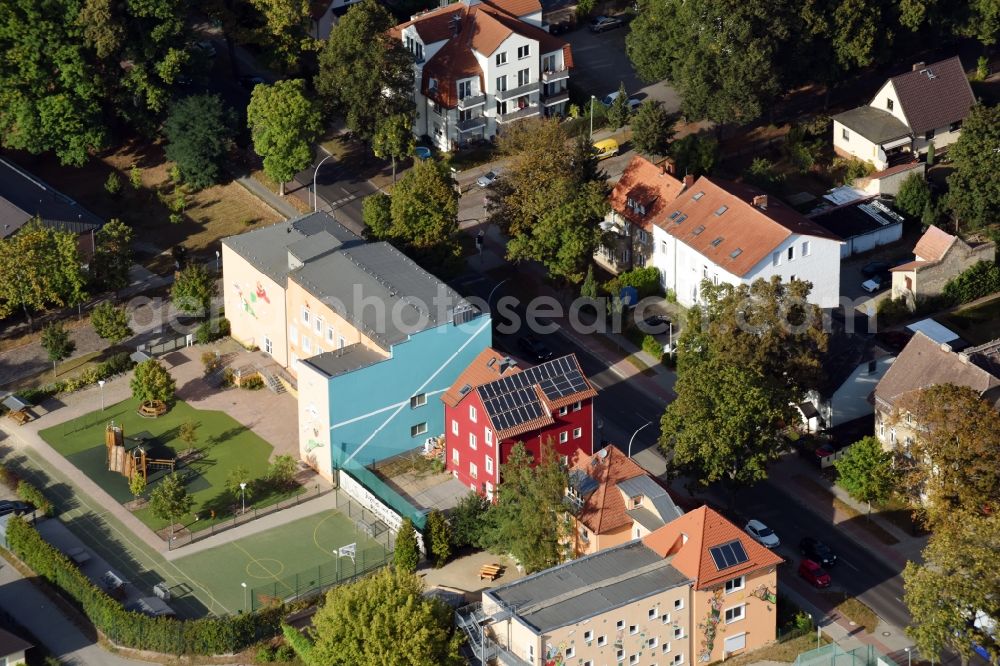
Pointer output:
x,y
280,206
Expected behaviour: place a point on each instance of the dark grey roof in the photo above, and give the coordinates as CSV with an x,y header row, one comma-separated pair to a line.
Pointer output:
x,y
513,400
857,218
935,95
589,586
353,278
9,643
876,125
267,248
24,196
657,494
345,360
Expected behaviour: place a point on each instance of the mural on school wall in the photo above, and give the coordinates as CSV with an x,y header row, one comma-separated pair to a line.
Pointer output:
x,y
554,655
251,297
311,433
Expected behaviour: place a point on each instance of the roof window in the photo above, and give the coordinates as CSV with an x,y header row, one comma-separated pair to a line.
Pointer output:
x,y
721,210
717,242
701,228
698,195
681,219
735,253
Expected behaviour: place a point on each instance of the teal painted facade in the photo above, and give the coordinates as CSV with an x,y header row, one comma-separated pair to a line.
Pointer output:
x,y
371,417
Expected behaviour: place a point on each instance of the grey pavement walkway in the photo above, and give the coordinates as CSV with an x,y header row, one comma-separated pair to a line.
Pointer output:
x,y
36,613
279,205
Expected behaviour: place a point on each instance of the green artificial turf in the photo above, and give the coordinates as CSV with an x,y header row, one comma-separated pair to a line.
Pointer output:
x,y
225,444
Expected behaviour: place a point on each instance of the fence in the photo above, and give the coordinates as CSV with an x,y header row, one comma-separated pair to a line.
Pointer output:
x,y
163,346
316,580
834,655
380,489
252,513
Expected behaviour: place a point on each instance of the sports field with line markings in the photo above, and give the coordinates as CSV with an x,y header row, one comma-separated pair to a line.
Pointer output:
x,y
281,562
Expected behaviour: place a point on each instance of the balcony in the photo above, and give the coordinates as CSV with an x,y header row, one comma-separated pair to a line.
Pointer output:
x,y
527,89
471,101
520,114
555,98
556,75
471,124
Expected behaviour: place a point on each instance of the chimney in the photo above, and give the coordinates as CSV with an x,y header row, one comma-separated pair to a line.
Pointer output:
x,y
760,201
688,181
917,66
963,357
668,166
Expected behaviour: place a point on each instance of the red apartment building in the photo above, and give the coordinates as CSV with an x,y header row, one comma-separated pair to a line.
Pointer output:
x,y
494,404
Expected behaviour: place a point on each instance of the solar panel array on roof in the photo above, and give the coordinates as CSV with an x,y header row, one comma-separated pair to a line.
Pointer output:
x,y
511,401
728,555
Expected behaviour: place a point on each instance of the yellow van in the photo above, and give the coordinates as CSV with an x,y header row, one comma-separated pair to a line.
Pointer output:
x,y
606,148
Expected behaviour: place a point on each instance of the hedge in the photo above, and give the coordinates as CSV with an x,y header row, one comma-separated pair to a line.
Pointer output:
x,y
115,365
205,636
34,496
980,279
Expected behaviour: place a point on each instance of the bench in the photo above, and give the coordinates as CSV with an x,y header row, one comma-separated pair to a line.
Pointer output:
x,y
490,572
152,409
20,417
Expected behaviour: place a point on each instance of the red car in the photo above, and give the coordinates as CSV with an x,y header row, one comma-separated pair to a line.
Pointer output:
x,y
814,573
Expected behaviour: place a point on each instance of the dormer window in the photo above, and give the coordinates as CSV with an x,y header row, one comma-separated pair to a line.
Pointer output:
x,y
888,104
636,501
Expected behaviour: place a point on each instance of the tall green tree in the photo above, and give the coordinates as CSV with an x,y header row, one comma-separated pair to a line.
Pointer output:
x,y
695,155
199,134
40,268
467,520
439,538
112,259
284,123
39,110
618,111
365,74
406,552
973,187
550,199
57,343
384,619
866,472
589,287
152,381
860,29
285,30
170,501
652,128
953,462
193,290
423,217
958,579
394,138
914,195
529,517
376,212
72,277
111,322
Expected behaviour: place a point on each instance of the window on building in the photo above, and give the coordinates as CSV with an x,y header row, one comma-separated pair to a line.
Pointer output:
x,y
620,655
633,659
577,406
619,625
892,435
523,77
678,632
563,411
329,334
489,465
776,259
633,629
665,618
665,648
563,437
472,440
318,325
577,433
929,134
488,436
293,334
305,315
889,104
306,344
652,642
735,584
418,400
735,613
845,135
570,652
791,278
268,346
454,456
588,663
418,429
341,343
473,470
602,641
472,413
489,490
502,58
791,252
585,535
663,247
454,426
523,51
678,659
805,248
642,236
734,643
464,89
502,83
678,604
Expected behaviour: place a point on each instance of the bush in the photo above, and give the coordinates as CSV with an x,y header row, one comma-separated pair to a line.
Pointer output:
x,y
761,173
652,346
206,636
299,643
892,311
113,185
210,362
980,279
852,169
254,383
284,653
645,280
212,330
32,495
265,654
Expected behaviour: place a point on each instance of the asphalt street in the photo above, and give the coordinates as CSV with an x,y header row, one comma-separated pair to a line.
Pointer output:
x,y
340,191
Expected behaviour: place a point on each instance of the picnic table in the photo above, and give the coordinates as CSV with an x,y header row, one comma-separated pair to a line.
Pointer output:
x,y
490,572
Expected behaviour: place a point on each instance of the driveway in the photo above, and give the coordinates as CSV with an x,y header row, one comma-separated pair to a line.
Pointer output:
x,y
601,64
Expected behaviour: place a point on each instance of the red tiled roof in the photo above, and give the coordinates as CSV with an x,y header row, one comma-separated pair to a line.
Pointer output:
x,y
689,539
649,185
486,367
934,95
752,230
893,170
604,510
934,244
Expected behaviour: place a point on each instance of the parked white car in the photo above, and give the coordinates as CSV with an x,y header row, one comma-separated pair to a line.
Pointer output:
x,y
487,179
762,534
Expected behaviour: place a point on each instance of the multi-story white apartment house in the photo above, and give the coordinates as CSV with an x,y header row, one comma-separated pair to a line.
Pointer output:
x,y
729,232
482,64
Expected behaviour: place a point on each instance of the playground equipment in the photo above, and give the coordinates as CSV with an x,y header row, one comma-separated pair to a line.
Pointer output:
x,y
129,463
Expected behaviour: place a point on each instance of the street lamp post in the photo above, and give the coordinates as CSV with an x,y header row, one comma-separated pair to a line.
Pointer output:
x,y
243,494
489,299
909,657
101,384
592,98
245,590
631,439
316,173
217,255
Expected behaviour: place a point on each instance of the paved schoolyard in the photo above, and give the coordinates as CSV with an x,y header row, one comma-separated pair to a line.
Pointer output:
x,y
285,561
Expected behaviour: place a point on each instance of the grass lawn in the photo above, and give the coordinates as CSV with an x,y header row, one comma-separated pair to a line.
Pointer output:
x,y
225,445
785,651
854,610
978,324
285,561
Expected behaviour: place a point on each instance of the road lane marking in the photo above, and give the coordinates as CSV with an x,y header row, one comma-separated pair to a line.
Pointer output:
x,y
849,564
